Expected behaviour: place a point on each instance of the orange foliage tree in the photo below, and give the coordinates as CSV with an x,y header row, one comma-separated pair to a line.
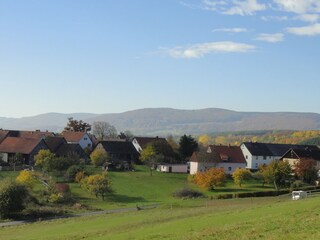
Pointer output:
x,y
211,178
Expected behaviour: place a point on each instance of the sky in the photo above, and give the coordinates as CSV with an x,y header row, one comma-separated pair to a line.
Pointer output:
x,y
113,56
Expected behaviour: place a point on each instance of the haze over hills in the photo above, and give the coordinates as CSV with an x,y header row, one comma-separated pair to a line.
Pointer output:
x,y
164,121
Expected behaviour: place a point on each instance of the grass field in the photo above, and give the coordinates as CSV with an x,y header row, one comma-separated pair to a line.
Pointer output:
x,y
261,218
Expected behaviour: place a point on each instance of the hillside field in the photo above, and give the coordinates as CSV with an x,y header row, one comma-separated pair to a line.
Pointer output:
x,y
262,218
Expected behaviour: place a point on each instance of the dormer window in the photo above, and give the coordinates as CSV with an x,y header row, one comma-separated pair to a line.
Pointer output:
x,y
224,158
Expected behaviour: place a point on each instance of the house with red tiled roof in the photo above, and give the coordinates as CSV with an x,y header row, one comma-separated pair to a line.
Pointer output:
x,y
28,147
82,138
227,157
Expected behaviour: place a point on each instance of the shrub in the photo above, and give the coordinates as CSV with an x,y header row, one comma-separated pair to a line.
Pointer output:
x,y
187,193
240,175
99,157
99,185
26,178
210,178
72,172
225,196
79,177
12,196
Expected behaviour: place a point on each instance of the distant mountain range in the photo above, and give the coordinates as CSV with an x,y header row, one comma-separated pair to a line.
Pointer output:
x,y
164,121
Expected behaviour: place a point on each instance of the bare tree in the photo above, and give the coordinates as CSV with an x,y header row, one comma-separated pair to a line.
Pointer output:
x,y
104,130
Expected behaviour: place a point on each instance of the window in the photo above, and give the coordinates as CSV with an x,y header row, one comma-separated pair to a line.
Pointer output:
x,y
246,156
85,138
257,165
257,157
229,169
264,157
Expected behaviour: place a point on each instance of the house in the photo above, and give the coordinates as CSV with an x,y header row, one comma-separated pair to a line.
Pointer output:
x,y
24,134
172,168
28,147
82,138
61,148
141,143
218,156
120,152
294,155
258,154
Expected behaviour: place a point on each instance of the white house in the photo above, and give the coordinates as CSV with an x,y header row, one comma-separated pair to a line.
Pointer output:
x,y
82,138
227,157
172,168
258,154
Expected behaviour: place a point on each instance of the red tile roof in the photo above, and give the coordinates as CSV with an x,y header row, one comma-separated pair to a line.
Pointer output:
x,y
74,137
230,154
18,145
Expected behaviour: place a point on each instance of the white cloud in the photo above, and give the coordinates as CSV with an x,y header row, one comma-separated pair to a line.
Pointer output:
x,y
248,7
233,30
308,17
311,30
272,38
299,6
199,50
274,18
234,7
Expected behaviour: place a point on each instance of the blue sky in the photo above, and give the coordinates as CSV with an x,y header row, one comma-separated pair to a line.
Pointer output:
x,y
118,55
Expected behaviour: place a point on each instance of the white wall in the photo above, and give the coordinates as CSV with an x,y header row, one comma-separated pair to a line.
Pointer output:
x,y
229,168
136,145
85,142
4,157
175,168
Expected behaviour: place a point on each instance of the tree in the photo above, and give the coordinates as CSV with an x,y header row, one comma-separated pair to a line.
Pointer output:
x,y
99,185
12,197
240,174
150,157
104,130
187,145
277,172
60,164
26,178
99,157
77,126
43,156
127,135
306,170
16,160
211,178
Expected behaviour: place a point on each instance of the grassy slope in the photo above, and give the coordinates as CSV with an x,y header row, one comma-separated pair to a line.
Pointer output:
x,y
266,218
131,188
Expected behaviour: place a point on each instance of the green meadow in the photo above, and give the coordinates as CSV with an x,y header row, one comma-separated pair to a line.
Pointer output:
x,y
260,218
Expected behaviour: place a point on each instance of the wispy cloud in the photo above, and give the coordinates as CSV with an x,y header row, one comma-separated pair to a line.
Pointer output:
x,y
232,30
299,6
248,7
272,38
274,18
310,30
312,18
200,50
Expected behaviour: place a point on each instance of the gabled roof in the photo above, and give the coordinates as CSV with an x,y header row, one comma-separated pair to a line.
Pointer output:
x,y
220,154
73,137
306,153
272,149
231,154
3,134
70,148
121,147
54,142
144,141
19,145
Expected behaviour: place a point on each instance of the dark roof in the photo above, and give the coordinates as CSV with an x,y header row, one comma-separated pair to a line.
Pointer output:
x,y
272,149
219,154
19,145
24,134
54,142
144,141
306,153
118,147
69,149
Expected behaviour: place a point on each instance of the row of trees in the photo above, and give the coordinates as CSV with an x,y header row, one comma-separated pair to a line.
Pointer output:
x,y
278,173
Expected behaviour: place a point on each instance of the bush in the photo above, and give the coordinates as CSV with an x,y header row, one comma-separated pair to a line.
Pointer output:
x,y
225,196
72,172
211,178
12,196
187,193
